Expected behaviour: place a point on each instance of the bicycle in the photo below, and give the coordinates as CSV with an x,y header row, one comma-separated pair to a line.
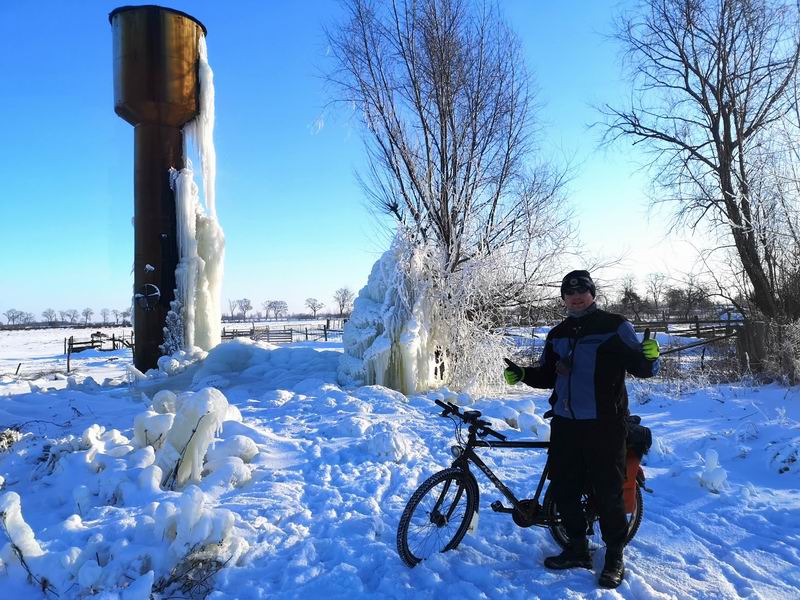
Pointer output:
x,y
445,506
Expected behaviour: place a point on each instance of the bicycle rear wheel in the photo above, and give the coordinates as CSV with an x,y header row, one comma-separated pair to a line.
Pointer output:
x,y
558,531
437,516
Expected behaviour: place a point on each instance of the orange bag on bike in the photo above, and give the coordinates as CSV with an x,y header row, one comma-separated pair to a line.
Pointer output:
x,y
632,461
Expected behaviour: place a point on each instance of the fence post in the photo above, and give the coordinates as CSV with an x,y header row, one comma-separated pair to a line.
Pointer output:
x,y
697,325
69,352
306,333
325,330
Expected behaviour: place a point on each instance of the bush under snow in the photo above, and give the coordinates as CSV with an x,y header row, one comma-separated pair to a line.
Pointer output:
x,y
416,325
156,530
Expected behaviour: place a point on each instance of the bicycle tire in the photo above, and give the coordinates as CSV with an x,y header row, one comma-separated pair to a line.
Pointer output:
x,y
452,489
558,532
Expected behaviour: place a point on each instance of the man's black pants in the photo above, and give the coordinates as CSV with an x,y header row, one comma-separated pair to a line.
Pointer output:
x,y
589,453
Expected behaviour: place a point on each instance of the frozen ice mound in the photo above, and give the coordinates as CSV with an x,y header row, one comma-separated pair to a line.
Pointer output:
x,y
198,420
384,441
713,475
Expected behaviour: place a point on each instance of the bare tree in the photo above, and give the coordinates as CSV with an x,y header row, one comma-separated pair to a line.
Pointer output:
x,y
655,287
12,315
446,102
278,308
49,315
116,314
281,309
344,299
314,306
71,315
232,306
125,314
687,300
245,306
710,78
104,313
87,314
630,301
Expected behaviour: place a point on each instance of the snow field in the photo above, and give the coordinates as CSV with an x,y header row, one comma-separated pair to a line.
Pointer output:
x,y
305,482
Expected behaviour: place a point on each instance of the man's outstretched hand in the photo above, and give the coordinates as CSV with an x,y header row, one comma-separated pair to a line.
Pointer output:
x,y
650,347
513,372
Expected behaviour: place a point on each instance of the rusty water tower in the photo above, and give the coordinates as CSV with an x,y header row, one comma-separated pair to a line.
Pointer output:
x,y
156,89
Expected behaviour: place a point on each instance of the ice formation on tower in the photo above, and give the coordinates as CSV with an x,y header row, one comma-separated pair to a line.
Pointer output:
x,y
195,318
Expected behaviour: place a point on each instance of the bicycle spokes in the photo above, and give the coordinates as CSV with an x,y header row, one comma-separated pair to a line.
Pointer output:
x,y
436,520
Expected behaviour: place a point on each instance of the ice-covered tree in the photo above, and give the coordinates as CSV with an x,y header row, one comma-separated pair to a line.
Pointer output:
x,y
447,108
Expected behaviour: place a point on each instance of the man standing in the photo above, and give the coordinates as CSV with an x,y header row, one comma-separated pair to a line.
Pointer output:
x,y
584,361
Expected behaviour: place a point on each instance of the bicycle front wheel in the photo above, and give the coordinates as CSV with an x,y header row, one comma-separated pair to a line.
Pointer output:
x,y
437,516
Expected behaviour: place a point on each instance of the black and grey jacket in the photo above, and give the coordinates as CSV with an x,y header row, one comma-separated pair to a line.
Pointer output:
x,y
585,360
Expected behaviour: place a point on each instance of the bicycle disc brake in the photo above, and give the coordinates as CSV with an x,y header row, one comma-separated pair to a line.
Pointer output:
x,y
529,515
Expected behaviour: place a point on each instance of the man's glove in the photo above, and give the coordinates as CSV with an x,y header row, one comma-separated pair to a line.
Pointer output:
x,y
513,373
650,349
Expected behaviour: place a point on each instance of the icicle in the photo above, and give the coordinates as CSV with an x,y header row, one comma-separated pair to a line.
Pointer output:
x,y
196,315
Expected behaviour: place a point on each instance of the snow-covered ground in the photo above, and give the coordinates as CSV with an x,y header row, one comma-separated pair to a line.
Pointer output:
x,y
308,508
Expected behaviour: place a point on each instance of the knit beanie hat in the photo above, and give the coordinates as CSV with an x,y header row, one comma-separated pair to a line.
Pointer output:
x,y
575,280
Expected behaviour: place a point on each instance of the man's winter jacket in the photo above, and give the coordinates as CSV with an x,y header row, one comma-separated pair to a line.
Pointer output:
x,y
584,361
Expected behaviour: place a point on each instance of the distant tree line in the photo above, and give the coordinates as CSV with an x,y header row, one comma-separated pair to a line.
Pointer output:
x,y
657,297
237,309
70,316
662,299
278,309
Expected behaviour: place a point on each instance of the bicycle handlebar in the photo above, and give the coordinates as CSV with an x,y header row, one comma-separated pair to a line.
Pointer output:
x,y
471,418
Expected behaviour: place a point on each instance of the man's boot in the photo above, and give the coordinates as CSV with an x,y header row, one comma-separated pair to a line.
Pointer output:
x,y
576,555
613,569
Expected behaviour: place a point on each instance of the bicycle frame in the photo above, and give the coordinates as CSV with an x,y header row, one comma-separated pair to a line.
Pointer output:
x,y
468,455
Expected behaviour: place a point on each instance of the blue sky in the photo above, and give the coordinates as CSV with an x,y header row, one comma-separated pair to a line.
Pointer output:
x,y
294,217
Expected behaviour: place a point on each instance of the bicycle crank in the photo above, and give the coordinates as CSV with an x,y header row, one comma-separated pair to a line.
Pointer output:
x,y
528,515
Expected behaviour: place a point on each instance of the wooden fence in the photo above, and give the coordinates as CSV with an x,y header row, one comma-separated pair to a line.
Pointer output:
x,y
283,335
97,341
692,328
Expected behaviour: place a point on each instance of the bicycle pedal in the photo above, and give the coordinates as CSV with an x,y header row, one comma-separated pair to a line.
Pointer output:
x,y
497,506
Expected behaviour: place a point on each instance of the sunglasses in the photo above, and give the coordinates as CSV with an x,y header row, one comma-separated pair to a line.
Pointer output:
x,y
576,290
